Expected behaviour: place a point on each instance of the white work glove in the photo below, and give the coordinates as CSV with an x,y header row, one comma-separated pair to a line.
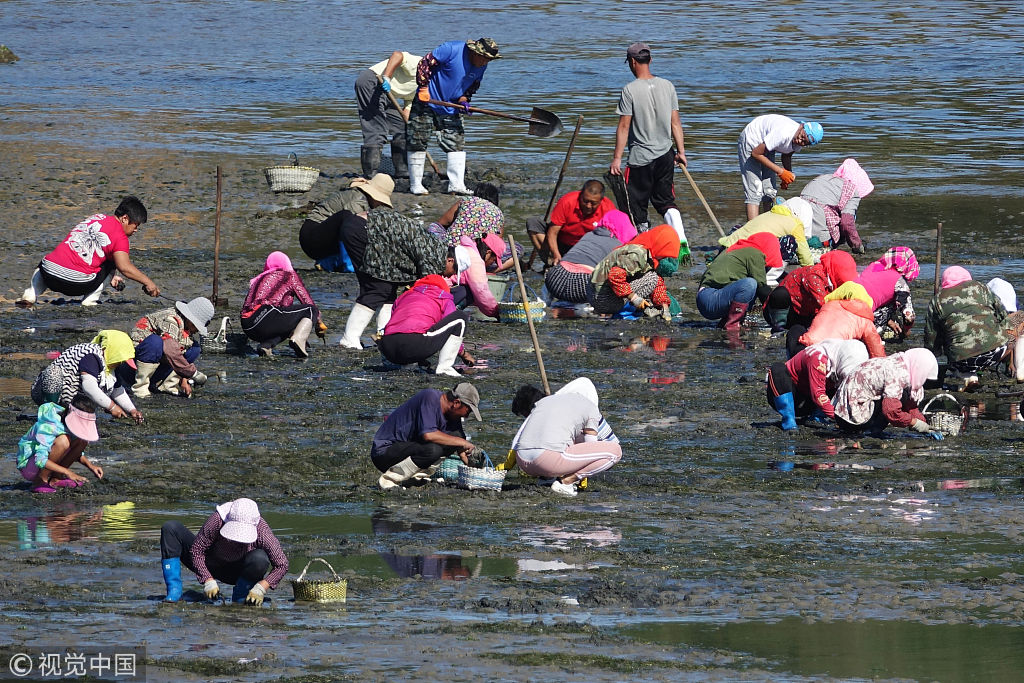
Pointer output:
x,y
666,314
920,426
255,596
199,379
637,301
211,589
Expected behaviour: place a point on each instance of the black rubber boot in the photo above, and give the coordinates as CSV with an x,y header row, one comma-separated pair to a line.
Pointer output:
x,y
398,156
369,158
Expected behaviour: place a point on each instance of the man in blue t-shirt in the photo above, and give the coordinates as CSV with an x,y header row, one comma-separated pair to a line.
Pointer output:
x,y
449,73
421,432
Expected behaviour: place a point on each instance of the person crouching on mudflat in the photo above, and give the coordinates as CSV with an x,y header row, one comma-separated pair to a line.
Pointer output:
x,y
235,545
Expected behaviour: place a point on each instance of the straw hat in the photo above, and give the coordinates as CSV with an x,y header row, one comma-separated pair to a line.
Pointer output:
x,y
378,188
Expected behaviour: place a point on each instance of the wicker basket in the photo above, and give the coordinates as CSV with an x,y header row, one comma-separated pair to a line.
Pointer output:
x,y
315,590
449,470
217,343
948,422
292,178
486,478
514,311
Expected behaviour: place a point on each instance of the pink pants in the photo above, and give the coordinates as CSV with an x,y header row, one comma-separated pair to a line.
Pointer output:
x,y
581,459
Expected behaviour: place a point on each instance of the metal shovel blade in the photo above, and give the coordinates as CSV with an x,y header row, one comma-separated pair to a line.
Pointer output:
x,y
544,124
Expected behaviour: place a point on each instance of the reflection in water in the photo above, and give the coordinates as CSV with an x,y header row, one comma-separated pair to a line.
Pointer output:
x,y
447,567
982,483
861,650
110,523
561,537
660,378
383,524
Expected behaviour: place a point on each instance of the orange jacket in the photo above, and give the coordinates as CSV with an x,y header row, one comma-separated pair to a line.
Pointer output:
x,y
845,319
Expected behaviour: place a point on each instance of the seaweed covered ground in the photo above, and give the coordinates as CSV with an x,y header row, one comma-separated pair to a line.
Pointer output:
x,y
693,559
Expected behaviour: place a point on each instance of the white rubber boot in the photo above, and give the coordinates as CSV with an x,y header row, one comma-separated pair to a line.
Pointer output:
x,y
37,287
383,316
358,319
143,373
446,357
457,173
94,298
1018,358
398,474
299,336
417,162
170,385
675,219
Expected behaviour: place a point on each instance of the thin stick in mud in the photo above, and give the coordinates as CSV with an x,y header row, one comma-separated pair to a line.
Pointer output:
x,y
529,318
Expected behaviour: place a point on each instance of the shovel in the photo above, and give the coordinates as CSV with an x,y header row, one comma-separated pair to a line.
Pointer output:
x,y
543,123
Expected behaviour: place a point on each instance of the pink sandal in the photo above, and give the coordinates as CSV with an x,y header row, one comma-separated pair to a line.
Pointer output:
x,y
43,488
66,484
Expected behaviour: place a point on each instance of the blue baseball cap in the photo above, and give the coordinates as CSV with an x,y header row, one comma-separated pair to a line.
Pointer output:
x,y
814,132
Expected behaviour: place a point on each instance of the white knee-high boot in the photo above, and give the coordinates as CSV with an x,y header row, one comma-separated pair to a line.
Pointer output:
x,y
383,316
143,373
457,173
446,357
1018,358
94,298
37,287
417,162
675,219
398,474
358,319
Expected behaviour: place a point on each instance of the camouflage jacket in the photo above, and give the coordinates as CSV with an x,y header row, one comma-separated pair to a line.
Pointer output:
x,y
399,250
964,321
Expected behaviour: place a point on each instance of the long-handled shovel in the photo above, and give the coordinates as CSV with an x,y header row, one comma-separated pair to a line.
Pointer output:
x,y
405,117
703,201
543,123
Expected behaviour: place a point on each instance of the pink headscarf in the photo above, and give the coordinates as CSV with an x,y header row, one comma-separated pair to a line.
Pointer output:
x,y
851,170
619,225
900,259
953,276
277,260
922,366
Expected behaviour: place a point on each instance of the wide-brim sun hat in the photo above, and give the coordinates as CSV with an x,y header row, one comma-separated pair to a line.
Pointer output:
x,y
199,312
241,520
485,47
379,187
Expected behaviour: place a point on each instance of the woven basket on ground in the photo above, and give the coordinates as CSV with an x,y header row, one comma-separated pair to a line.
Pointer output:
x,y
486,478
291,178
320,590
514,311
948,422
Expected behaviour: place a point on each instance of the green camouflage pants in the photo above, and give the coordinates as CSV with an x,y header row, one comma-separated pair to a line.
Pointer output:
x,y
423,121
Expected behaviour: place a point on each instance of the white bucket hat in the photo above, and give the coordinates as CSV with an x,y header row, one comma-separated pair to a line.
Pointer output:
x,y
379,187
240,521
801,208
199,312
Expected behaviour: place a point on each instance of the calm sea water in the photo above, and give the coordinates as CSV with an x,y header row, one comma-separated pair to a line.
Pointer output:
x,y
927,95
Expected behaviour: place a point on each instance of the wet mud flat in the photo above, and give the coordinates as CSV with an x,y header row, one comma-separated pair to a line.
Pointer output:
x,y
691,559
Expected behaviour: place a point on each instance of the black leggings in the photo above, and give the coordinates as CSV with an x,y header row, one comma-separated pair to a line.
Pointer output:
x,y
424,454
70,288
793,345
271,324
176,541
410,347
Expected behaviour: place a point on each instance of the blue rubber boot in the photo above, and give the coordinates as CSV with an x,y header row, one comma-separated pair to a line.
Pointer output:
x,y
241,590
784,404
172,577
346,260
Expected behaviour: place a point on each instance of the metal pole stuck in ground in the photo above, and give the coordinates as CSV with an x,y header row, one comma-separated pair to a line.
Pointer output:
x,y
558,184
529,318
217,300
938,257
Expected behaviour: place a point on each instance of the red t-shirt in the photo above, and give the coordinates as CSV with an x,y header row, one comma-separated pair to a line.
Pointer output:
x,y
90,244
574,226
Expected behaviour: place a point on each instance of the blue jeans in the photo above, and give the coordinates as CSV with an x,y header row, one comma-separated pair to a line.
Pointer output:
x,y
151,350
713,303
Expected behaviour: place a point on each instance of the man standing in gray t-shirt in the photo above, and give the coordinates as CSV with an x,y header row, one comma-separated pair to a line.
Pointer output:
x,y
649,123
